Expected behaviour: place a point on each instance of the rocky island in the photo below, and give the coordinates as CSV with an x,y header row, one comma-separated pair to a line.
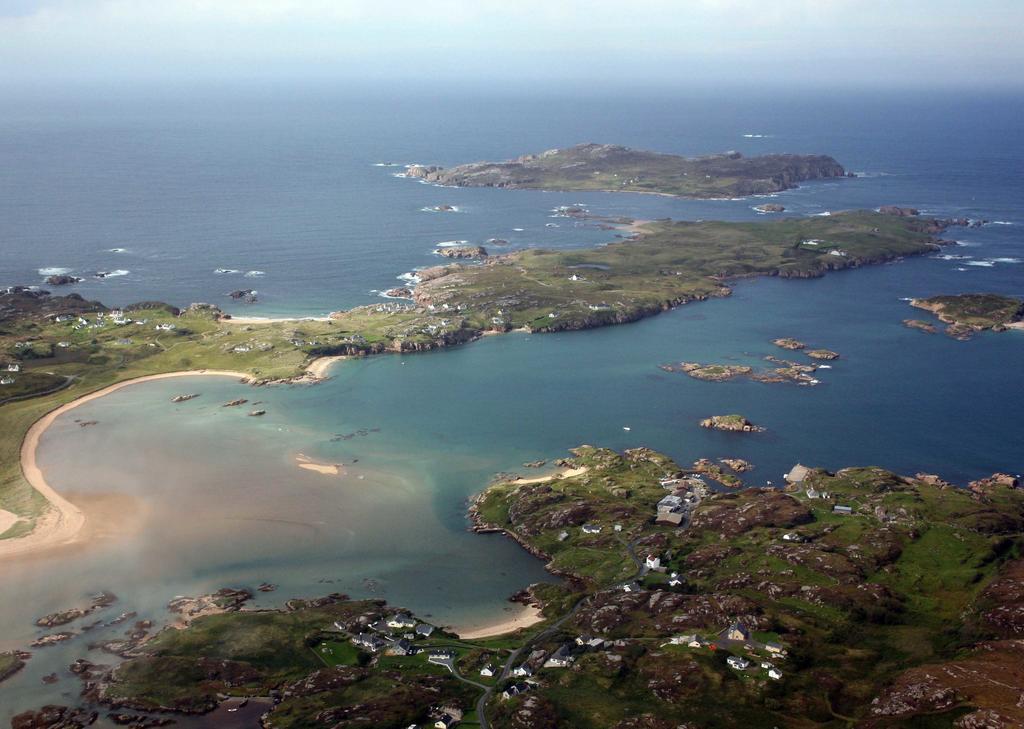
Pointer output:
x,y
731,423
616,168
967,314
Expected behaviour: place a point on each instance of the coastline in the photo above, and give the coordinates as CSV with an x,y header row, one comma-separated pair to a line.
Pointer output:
x,y
62,522
528,615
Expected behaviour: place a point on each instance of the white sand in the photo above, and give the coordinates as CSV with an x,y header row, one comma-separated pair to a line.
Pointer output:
x,y
527,616
62,523
7,520
564,473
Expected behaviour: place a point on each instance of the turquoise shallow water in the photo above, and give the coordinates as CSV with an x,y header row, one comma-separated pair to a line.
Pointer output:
x,y
216,498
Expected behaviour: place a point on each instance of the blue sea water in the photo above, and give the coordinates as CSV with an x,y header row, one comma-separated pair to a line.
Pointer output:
x,y
286,182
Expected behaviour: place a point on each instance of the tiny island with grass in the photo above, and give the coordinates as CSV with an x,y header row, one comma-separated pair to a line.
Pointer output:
x,y
967,314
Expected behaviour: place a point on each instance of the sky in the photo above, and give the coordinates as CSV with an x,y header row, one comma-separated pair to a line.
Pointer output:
x,y
820,43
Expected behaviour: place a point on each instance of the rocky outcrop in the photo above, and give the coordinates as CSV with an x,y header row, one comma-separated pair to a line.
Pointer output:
x,y
462,252
825,354
733,423
788,343
55,717
62,279
770,208
63,617
919,325
732,514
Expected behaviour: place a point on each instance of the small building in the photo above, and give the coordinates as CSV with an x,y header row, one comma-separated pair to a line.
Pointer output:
x,y
445,721
842,509
812,493
401,647
775,674
591,529
617,527
522,671
766,665
515,690
7,381
737,631
14,367
487,671
368,642
675,518
652,562
631,587
775,648
791,537
740,664
401,620
674,580
563,535
562,658
423,630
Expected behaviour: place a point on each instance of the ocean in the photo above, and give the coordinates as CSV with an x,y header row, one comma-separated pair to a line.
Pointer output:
x,y
295,185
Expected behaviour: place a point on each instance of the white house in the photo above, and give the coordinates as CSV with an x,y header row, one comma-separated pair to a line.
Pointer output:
x,y
591,529
14,367
487,671
522,671
401,620
653,562
775,674
7,381
740,664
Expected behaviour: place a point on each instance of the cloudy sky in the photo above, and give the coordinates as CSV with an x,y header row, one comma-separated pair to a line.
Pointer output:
x,y
946,43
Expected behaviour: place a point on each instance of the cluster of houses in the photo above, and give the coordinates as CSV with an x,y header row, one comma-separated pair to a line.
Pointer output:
x,y
382,637
738,633
798,474
686,493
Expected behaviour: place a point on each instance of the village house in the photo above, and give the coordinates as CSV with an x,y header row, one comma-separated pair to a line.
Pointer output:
x,y
7,381
401,620
14,367
591,529
401,647
737,631
674,580
775,648
652,562
522,671
740,664
423,630
775,674
631,587
514,690
842,509
562,658
487,671
682,639
368,642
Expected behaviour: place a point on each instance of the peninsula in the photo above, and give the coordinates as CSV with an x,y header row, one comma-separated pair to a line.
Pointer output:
x,y
859,596
614,168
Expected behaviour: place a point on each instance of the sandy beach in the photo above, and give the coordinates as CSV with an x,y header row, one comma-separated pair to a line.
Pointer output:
x,y
526,616
564,473
318,367
7,520
62,523
271,320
